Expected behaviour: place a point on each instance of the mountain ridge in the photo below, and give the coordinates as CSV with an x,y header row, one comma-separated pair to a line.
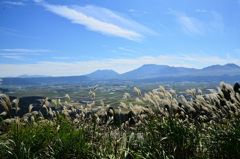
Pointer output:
x,y
103,74
147,72
153,71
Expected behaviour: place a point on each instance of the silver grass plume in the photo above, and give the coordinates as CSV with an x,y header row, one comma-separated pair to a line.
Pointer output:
x,y
232,95
211,91
156,97
6,99
16,102
44,106
155,92
162,94
173,92
59,102
123,105
32,119
162,89
67,96
192,92
184,100
103,106
150,94
4,104
95,88
223,85
215,97
54,102
199,92
58,128
127,96
30,108
220,92
169,95
137,91
229,87
200,98
139,100
132,108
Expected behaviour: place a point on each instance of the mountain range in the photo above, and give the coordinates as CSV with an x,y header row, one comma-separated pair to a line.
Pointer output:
x,y
145,73
158,71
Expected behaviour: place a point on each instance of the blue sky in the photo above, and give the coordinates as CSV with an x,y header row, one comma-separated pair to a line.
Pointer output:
x,y
77,37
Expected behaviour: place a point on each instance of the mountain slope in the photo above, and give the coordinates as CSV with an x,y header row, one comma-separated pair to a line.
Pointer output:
x,y
103,74
145,73
152,70
31,76
45,80
160,71
219,70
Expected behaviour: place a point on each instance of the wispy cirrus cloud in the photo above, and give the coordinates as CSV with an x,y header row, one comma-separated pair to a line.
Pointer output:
x,y
21,54
14,3
137,13
237,50
26,50
100,20
201,10
194,26
190,25
64,58
12,32
13,57
126,49
217,22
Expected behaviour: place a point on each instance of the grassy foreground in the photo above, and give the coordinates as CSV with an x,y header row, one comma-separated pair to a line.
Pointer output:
x,y
160,124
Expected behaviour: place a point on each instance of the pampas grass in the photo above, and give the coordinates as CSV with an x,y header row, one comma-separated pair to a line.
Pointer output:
x,y
160,124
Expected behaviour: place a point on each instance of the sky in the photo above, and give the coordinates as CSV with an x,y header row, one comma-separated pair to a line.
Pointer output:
x,y
77,37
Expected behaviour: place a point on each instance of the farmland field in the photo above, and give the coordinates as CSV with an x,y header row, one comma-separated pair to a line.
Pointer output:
x,y
109,93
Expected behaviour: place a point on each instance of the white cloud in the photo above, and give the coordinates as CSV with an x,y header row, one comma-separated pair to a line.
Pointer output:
x,y
237,50
14,3
201,10
63,58
137,13
13,57
37,1
21,54
132,10
217,22
119,65
100,20
190,25
126,49
26,50
195,26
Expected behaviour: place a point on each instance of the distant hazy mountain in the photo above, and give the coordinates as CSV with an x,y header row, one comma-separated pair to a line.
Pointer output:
x,y
154,71
46,80
218,70
31,76
145,73
103,74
